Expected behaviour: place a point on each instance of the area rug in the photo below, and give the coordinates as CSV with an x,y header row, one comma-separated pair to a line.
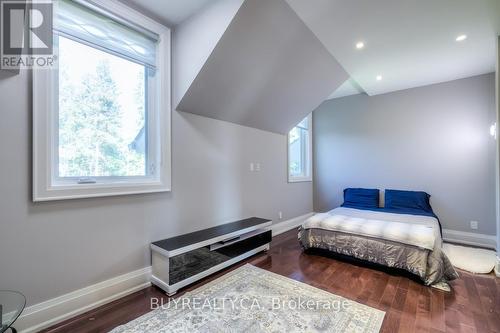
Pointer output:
x,y
250,299
470,259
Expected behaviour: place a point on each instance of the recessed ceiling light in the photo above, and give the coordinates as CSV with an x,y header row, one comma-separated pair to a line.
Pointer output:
x,y
360,45
379,77
461,38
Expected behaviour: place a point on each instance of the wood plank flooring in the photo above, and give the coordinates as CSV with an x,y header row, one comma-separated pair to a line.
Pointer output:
x,y
472,306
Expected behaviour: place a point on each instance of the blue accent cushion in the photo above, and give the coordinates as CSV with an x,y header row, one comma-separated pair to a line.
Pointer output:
x,y
361,197
397,199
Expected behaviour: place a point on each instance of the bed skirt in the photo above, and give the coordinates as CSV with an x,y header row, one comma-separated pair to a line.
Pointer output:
x,y
432,267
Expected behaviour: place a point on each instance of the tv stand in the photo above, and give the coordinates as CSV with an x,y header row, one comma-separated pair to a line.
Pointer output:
x,y
182,260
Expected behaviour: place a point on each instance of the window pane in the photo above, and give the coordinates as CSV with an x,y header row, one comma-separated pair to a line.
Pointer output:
x,y
102,113
296,152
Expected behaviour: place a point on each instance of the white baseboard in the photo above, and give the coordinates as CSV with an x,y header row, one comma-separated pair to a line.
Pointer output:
x,y
56,310
39,316
469,238
283,226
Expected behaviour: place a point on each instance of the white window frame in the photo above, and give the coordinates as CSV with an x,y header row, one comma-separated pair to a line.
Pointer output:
x,y
308,157
45,184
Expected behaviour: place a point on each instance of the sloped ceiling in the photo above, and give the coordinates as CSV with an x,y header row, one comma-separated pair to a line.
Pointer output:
x,y
267,71
195,39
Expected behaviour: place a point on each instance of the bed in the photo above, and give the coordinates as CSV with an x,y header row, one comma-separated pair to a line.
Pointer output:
x,y
406,238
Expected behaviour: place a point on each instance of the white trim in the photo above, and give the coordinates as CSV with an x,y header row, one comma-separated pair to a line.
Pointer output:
x,y
299,179
44,186
497,267
469,238
42,315
39,316
281,227
309,157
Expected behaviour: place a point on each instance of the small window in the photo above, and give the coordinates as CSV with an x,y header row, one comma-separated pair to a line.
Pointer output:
x,y
300,151
102,115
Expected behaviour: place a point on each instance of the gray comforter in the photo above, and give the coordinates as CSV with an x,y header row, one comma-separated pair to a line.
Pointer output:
x,y
431,266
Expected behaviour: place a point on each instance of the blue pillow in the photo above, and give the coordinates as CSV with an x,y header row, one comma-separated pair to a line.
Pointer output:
x,y
361,197
396,199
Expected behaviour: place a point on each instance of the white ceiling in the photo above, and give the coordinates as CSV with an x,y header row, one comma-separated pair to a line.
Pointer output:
x,y
169,12
410,43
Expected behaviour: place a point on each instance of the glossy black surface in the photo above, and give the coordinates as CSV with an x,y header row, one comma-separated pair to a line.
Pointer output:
x,y
193,262
178,242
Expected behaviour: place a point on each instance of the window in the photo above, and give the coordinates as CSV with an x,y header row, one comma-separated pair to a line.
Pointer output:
x,y
102,115
300,151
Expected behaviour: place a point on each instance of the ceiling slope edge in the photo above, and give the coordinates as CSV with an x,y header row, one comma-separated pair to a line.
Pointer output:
x,y
267,71
195,39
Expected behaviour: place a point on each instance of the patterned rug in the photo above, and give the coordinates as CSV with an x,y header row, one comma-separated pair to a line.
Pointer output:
x,y
250,299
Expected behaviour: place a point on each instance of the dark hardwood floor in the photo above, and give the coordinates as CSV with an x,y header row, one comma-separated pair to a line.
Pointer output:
x,y
472,306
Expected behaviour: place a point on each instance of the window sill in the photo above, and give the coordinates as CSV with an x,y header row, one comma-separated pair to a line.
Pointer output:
x,y
300,180
65,192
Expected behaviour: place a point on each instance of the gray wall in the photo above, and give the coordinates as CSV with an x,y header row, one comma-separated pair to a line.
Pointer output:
x,y
434,138
49,249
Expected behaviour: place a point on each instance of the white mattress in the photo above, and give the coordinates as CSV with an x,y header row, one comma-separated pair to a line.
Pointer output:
x,y
415,230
